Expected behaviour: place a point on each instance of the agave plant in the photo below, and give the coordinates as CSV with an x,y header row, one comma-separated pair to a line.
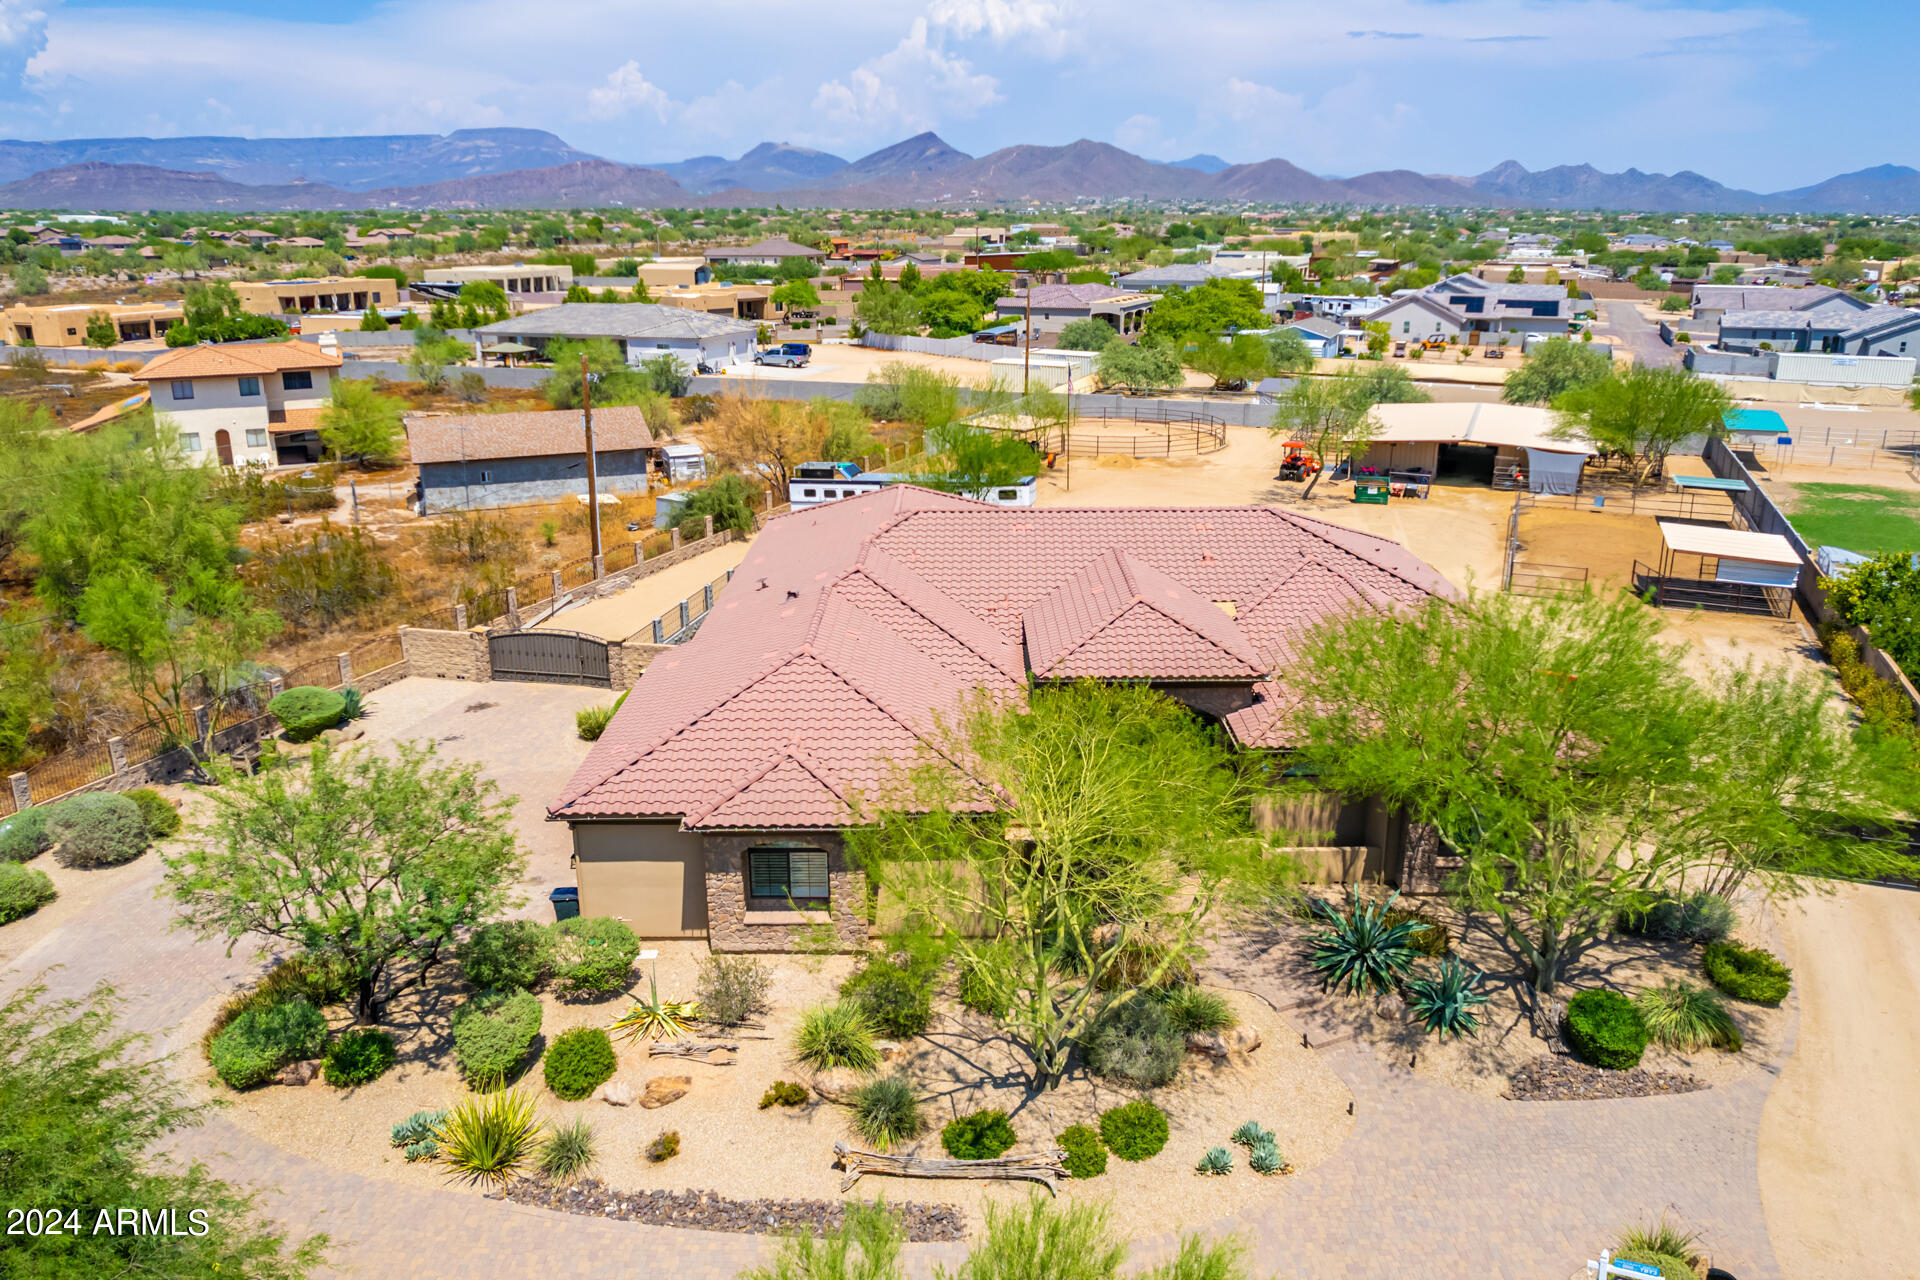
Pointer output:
x,y
1446,1002
1216,1162
656,1018
1360,951
1265,1157
490,1136
1250,1134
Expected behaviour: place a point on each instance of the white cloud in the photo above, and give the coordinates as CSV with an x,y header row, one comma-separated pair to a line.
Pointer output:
x,y
23,34
912,87
1243,100
1043,26
624,90
1142,134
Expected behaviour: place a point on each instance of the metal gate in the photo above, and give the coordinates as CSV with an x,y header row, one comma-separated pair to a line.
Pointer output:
x,y
552,657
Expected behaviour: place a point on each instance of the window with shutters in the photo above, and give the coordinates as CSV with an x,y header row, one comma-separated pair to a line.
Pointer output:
x,y
781,873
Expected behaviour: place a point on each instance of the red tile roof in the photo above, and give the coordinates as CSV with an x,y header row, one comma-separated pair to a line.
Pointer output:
x,y
852,628
234,359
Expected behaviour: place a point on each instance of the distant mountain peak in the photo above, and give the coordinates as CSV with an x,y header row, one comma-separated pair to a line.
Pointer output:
x,y
1203,162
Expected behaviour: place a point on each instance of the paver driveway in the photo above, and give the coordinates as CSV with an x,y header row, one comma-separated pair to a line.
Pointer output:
x,y
1433,1183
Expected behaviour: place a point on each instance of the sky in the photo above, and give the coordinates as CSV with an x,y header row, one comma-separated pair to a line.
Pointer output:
x,y
1765,96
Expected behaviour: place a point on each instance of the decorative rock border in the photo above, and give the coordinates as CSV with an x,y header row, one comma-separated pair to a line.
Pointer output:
x,y
706,1211
1557,1079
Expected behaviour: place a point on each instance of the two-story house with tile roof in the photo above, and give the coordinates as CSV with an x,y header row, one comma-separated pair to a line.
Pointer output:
x,y
713,805
244,403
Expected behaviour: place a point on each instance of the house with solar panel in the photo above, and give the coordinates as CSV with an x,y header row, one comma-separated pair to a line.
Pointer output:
x,y
714,804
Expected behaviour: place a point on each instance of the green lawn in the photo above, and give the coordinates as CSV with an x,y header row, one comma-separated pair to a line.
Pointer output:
x,y
1858,517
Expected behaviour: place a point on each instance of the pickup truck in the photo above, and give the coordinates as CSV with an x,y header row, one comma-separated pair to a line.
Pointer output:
x,y
794,355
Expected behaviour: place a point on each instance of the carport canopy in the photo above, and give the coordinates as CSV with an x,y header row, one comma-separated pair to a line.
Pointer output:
x,y
1759,559
1721,484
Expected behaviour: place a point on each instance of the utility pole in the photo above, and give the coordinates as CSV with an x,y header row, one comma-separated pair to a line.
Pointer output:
x,y
1026,339
593,487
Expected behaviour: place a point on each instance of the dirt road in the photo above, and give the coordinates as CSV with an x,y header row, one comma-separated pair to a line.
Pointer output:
x,y
1840,1136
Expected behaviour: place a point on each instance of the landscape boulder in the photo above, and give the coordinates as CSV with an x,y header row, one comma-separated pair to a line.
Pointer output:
x,y
1224,1044
838,1083
298,1074
615,1093
664,1089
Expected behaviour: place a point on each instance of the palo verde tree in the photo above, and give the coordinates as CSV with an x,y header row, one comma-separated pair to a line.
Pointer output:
x,y
1335,415
1560,365
1643,412
371,861
360,423
1098,824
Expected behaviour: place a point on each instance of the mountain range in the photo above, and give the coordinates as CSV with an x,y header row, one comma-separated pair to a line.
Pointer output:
x,y
530,168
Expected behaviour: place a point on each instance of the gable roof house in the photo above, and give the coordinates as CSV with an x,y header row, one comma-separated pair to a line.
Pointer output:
x,y
472,460
714,803
244,402
1466,304
1839,324
641,330
1060,304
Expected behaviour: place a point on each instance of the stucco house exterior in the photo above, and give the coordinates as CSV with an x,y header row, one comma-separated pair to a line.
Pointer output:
x,y
768,253
714,804
1057,305
244,403
1467,305
473,460
641,330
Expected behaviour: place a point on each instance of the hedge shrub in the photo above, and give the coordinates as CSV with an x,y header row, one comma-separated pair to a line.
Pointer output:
x,y
23,891
897,999
506,955
1701,917
492,1033
1606,1030
361,1056
1086,1153
261,1041
592,955
1134,1130
319,982
157,811
99,829
24,835
579,1061
304,712
983,1135
1747,973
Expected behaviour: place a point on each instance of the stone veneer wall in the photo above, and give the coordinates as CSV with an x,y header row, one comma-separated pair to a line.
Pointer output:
x,y
728,920
447,655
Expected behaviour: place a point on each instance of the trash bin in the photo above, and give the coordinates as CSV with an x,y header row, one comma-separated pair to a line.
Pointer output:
x,y
566,902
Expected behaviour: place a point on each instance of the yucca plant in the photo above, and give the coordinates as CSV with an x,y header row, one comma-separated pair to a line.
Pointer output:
x,y
885,1111
490,1136
1216,1162
1682,1016
568,1151
1360,951
835,1035
1192,1008
1446,1002
655,1018
1661,1237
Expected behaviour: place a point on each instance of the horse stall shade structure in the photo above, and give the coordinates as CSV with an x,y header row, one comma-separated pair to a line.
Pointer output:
x,y
1504,445
1731,569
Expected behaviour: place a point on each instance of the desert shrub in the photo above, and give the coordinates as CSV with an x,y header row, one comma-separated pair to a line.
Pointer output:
x,y
1682,1016
99,829
731,989
591,722
983,1135
782,1093
1216,1162
665,1147
261,1041
1191,1009
318,982
418,1127
490,1137
897,999
24,835
1135,1043
1137,960
1086,1152
1429,937
361,1056
1747,973
592,955
1702,917
23,890
492,1033
506,954
156,811
1134,1130
1661,1245
1605,1029
979,993
835,1035
306,710
579,1061
568,1151
885,1111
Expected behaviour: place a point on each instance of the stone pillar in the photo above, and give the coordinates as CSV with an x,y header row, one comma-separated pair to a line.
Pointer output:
x,y
684,619
346,669
659,635
202,722
706,601
673,538
22,794
459,617
706,523
275,687
117,754
513,600
1420,859
599,567
557,588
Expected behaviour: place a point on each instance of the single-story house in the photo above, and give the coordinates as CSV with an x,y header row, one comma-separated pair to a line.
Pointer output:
x,y
65,324
470,460
1712,301
768,253
1840,325
1505,444
513,278
244,402
1183,275
1476,306
641,330
1323,337
1061,304
714,804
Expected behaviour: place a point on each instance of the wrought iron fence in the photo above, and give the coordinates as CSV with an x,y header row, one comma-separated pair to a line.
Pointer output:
x,y
323,672
485,607
57,775
438,619
249,702
376,655
576,573
532,590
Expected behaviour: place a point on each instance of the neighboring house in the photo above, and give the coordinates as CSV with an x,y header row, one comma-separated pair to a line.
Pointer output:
x,y
1323,337
244,403
1418,317
1711,301
1838,325
501,459
714,804
1183,275
641,330
1473,306
1344,306
321,294
513,278
768,253
1060,304
65,325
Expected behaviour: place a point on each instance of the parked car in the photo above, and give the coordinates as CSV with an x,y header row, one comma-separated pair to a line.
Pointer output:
x,y
1399,348
793,355
1496,353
